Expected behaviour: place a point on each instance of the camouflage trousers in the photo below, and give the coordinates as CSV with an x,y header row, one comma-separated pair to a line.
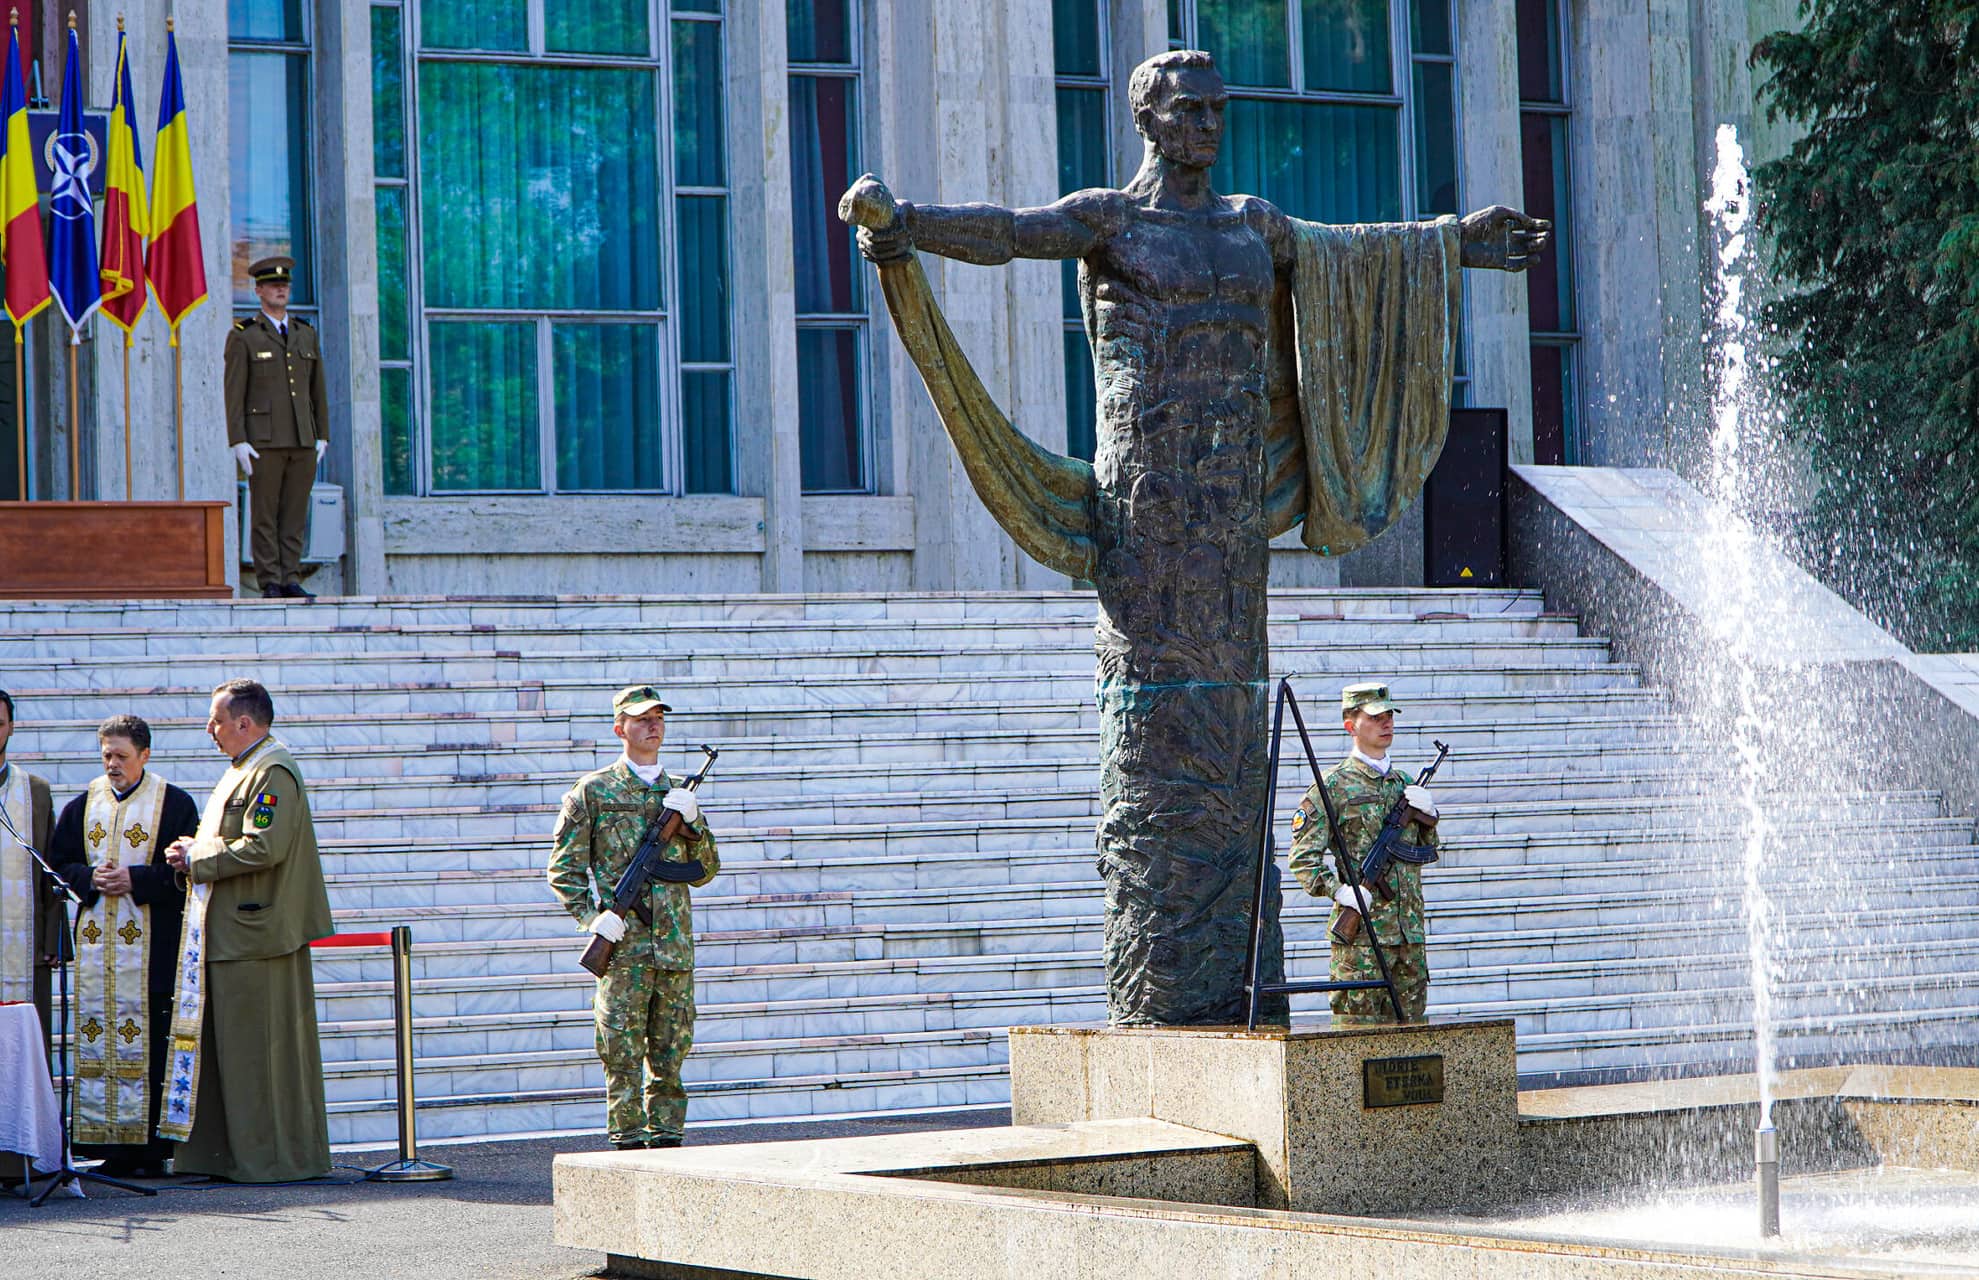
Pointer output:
x,y
645,1020
1408,964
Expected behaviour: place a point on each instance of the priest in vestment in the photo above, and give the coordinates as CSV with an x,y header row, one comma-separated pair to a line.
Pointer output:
x,y
109,844
30,916
244,1087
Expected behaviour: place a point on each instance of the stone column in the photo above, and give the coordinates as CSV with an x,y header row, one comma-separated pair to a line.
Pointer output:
x,y
347,275
1497,322
763,278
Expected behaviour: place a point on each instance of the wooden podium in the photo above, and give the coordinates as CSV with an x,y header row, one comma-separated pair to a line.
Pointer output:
x,y
113,550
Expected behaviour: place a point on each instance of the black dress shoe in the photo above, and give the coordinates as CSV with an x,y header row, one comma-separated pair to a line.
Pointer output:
x,y
294,591
273,593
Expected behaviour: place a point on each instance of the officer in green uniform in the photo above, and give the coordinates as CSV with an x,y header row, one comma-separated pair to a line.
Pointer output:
x,y
278,424
644,1006
1363,788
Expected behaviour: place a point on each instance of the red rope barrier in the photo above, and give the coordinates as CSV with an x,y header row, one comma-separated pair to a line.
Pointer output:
x,y
354,940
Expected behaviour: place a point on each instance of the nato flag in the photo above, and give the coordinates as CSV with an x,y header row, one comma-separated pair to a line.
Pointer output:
x,y
72,247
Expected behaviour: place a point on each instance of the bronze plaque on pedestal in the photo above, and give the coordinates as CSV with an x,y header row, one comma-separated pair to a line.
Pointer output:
x,y
1402,1082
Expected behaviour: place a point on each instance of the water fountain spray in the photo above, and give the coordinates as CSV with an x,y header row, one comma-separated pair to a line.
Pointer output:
x,y
1731,581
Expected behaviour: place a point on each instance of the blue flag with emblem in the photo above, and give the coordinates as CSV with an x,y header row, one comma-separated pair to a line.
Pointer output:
x,y
72,274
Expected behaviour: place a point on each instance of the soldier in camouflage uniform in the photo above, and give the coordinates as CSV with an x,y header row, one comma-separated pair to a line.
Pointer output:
x,y
644,1005
1363,787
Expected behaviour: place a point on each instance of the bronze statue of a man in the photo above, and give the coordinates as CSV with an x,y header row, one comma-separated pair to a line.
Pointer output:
x,y
1254,372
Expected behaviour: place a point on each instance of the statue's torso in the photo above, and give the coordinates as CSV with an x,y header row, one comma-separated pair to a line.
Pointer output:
x,y
1180,305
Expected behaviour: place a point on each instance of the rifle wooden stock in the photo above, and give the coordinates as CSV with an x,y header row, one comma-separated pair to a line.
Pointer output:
x,y
1346,928
598,956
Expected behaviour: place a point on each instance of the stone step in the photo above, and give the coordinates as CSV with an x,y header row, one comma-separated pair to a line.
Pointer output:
x,y
781,680
475,816
663,609
803,846
1327,660
304,635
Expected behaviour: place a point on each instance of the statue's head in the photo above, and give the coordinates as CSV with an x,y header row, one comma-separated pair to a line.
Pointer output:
x,y
1177,99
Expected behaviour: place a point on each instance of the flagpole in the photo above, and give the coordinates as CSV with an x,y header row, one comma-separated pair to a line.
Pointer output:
x,y
127,415
75,436
20,413
179,411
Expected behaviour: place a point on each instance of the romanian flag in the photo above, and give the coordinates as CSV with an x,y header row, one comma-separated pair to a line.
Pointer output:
x,y
178,268
126,213
22,254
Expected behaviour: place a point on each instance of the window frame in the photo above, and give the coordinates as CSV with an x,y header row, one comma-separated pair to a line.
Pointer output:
x,y
302,47
859,322
1567,341
669,357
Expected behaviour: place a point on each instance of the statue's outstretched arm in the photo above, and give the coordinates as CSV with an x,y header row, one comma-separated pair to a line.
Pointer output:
x,y
987,235
1043,500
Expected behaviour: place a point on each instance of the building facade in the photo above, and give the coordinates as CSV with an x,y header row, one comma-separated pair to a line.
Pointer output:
x,y
590,324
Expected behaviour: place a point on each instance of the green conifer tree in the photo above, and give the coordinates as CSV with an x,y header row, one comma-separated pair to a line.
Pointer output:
x,y
1874,219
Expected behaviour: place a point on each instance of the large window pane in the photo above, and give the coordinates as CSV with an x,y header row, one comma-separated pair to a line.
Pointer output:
x,y
819,30
824,158
476,24
828,410
607,406
1429,26
520,214
268,111
1539,51
596,26
698,143
395,416
387,94
1436,138
704,304
1081,397
704,437
264,19
394,299
1553,442
1075,37
484,427
1549,279
1082,163
1347,45
1317,161
1247,39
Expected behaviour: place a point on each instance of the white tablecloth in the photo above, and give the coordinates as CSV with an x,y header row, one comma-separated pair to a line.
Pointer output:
x,y
30,1120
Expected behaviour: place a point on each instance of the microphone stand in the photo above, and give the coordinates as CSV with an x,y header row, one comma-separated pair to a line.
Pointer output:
x,y
67,896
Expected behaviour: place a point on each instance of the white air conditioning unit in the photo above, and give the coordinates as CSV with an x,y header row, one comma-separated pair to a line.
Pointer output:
x,y
322,538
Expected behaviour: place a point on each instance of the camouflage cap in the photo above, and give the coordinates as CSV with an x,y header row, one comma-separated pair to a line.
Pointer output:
x,y
1370,696
637,700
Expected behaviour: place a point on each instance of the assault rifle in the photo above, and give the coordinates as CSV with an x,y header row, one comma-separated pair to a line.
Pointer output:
x,y
650,863
1388,849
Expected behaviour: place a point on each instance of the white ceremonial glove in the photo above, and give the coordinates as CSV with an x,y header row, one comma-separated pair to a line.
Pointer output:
x,y
321,445
610,926
1344,895
244,456
682,802
1420,799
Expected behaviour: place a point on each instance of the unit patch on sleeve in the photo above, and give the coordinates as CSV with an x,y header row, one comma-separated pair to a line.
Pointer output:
x,y
263,813
1300,817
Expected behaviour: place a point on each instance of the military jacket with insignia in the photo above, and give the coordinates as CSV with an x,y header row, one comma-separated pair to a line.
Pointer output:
x,y
274,386
599,826
269,898
1361,799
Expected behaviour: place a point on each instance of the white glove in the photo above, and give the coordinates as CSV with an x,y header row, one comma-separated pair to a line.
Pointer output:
x,y
1420,799
682,802
321,445
244,456
610,926
1344,895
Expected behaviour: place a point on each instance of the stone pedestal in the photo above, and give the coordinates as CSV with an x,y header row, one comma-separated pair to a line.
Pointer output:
x,y
1374,1119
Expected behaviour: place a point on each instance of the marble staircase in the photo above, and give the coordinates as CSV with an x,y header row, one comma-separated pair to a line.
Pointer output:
x,y
905,802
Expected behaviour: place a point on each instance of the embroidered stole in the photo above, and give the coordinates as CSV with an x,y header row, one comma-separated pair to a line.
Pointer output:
x,y
189,989
113,963
18,877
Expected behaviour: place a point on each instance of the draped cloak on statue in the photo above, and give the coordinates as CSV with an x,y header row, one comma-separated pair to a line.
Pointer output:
x,y
1356,371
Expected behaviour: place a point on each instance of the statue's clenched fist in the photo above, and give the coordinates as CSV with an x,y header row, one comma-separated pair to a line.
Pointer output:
x,y
1503,239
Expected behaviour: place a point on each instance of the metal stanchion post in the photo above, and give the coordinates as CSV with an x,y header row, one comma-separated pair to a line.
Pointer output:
x,y
408,1167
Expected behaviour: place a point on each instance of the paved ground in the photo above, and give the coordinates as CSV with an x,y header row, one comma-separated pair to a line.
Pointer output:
x,y
490,1222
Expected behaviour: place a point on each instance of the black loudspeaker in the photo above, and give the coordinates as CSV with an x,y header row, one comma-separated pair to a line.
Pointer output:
x,y
1463,503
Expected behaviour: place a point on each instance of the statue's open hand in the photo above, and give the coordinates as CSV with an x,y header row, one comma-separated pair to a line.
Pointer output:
x,y
1503,239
